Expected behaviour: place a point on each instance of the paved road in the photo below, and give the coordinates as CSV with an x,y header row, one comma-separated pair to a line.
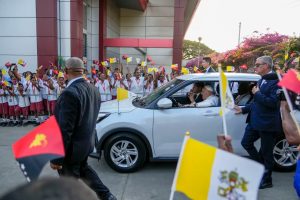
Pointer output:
x,y
151,183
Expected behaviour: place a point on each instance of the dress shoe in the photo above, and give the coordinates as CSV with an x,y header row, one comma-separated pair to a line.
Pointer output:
x,y
108,196
265,184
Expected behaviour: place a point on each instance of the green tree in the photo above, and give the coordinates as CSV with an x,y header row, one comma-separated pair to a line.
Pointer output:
x,y
192,49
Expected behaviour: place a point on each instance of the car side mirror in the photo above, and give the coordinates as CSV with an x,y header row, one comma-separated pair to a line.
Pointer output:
x,y
164,103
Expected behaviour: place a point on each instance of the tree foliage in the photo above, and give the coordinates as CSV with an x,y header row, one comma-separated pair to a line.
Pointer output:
x,y
192,49
272,44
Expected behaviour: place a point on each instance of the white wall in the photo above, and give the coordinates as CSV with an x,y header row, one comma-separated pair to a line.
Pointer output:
x,y
64,28
92,31
18,32
156,22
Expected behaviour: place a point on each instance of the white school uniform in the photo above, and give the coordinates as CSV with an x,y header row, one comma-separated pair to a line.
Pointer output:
x,y
12,100
23,101
34,94
149,88
3,99
104,89
137,86
117,85
161,83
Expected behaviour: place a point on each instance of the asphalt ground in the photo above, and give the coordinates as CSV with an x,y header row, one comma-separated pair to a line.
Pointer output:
x,y
153,182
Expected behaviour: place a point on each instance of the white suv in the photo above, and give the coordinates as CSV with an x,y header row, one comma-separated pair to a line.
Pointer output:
x,y
153,127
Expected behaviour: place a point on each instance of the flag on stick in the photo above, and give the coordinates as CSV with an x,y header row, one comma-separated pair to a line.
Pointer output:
x,y
291,81
112,60
184,70
35,149
129,59
174,67
22,62
205,172
144,64
122,94
227,101
153,69
230,68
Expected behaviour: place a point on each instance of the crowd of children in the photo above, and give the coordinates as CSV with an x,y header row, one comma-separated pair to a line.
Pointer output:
x,y
30,97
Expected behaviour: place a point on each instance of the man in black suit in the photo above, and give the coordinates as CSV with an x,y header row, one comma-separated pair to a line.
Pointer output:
x,y
206,65
76,112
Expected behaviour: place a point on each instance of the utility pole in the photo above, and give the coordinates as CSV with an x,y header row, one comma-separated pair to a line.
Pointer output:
x,y
199,39
239,39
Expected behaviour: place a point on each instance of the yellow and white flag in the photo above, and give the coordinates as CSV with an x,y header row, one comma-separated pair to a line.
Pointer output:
x,y
122,94
184,70
112,60
152,69
205,172
227,101
230,68
144,63
129,59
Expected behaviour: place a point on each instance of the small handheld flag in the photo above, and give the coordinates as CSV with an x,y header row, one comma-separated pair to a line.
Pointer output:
x,y
205,172
291,81
35,149
122,94
144,64
22,62
153,69
174,67
230,68
129,59
4,72
227,101
184,70
8,64
112,60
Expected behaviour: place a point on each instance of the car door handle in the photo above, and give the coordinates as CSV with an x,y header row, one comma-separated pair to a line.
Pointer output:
x,y
211,114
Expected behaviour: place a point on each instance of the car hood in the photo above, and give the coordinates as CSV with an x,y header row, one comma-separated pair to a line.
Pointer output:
x,y
112,106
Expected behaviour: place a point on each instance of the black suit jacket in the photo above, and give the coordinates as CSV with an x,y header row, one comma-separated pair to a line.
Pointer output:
x,y
76,112
210,69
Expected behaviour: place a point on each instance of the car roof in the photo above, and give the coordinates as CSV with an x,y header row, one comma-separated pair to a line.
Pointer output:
x,y
215,76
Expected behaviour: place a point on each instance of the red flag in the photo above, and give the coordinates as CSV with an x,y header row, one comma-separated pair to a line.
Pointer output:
x,y
35,149
244,67
8,64
291,81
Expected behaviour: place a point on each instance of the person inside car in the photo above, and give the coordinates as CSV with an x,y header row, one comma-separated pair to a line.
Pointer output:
x,y
244,96
194,95
209,99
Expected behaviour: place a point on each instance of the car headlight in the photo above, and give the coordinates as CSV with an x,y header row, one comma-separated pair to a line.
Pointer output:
x,y
102,116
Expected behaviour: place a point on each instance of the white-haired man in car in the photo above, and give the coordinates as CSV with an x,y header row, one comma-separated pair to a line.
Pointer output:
x,y
209,99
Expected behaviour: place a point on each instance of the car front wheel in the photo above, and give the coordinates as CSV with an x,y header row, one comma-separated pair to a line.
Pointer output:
x,y
125,152
284,155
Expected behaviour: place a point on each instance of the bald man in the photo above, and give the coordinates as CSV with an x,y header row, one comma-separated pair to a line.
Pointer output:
x,y
76,112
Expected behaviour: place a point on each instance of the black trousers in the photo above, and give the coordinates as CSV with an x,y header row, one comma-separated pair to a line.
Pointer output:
x,y
87,174
265,155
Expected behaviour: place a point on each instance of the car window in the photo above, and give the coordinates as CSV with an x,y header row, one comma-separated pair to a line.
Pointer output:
x,y
146,100
191,95
241,91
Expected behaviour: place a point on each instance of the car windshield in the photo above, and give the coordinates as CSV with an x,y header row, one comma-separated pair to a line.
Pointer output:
x,y
146,100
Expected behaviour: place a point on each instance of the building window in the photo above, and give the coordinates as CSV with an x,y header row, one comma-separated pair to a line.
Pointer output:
x,y
85,18
84,45
85,21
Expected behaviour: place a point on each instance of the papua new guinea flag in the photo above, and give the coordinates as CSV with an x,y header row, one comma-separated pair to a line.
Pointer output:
x,y
39,146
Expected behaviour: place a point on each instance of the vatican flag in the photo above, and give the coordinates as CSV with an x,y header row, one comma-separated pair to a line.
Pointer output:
x,y
205,172
122,94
